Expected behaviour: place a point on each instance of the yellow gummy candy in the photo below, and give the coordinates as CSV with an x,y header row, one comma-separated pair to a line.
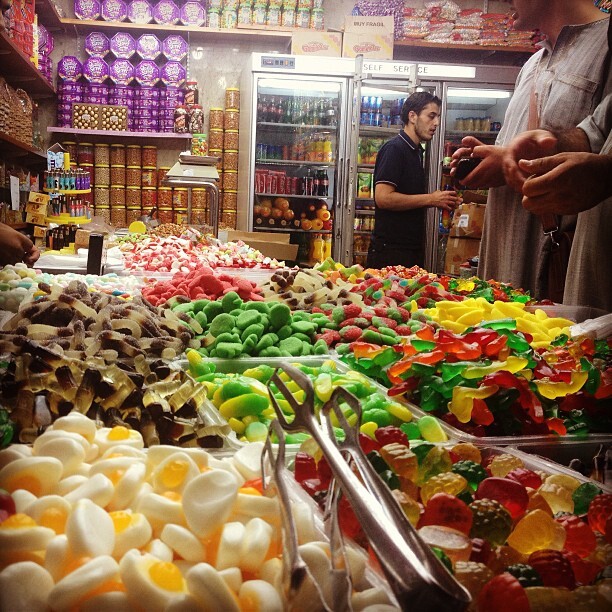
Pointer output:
x,y
535,531
552,390
463,400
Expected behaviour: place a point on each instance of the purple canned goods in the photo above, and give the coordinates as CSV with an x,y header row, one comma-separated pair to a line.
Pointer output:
x,y
173,73
145,104
149,47
97,44
146,93
87,9
146,114
70,98
95,70
123,90
64,107
175,47
123,45
121,71
147,125
113,10
193,14
140,11
69,68
98,89
93,99
166,12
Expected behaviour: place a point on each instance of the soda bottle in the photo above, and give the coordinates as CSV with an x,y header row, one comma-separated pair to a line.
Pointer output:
x,y
306,183
323,184
259,108
327,246
328,153
315,182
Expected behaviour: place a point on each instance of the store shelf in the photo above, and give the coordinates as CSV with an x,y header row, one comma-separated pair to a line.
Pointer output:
x,y
373,130
19,71
67,191
27,154
294,196
364,200
293,230
118,133
293,162
286,127
364,212
195,33
48,15
417,42
365,167
462,133
362,233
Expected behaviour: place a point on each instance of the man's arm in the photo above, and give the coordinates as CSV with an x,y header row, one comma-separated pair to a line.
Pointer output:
x,y
15,247
388,198
489,172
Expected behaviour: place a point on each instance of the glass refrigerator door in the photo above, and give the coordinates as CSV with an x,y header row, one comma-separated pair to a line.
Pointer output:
x,y
297,143
468,111
380,102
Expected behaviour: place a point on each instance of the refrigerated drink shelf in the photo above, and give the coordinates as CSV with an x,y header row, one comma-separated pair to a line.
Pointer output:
x,y
361,233
365,167
372,130
293,195
364,200
293,162
297,126
461,133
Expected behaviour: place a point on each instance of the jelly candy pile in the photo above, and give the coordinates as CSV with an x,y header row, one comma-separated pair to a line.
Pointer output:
x,y
504,530
489,380
243,400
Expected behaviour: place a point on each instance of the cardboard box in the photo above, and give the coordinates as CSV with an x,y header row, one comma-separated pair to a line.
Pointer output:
x,y
38,198
36,219
468,221
270,244
311,42
459,250
40,232
368,36
37,209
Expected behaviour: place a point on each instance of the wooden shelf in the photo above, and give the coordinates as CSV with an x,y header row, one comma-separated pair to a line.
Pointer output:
x,y
25,153
417,42
48,15
118,133
19,71
194,32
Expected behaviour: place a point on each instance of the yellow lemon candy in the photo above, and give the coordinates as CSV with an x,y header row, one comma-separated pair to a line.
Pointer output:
x,y
137,227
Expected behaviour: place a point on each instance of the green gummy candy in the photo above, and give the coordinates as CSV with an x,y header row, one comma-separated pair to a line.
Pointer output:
x,y
303,327
228,350
233,388
212,309
236,312
266,341
230,301
270,351
284,332
249,344
338,314
256,432
228,337
261,307
302,337
280,315
306,348
255,329
411,430
247,318
199,305
188,307
200,317
320,347
292,345
222,323
263,373
431,430
203,351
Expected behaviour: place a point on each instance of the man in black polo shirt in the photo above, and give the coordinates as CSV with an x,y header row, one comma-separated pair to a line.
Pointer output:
x,y
400,188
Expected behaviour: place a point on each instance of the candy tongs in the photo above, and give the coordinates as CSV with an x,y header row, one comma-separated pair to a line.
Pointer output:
x,y
417,578
297,577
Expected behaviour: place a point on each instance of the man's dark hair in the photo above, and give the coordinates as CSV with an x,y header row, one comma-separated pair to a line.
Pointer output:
x,y
417,102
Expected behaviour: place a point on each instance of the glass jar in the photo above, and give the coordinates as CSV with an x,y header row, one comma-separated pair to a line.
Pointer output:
x,y
180,197
117,196
195,119
149,156
102,175
148,177
164,197
118,217
199,216
117,175
103,212
199,146
132,197
85,154
230,160
232,97
232,119
73,150
102,155
199,198
101,196
228,219
191,92
230,140
117,155
230,200
165,215
180,216
90,168
149,199
181,119
133,156
133,176
132,214
229,179
162,172
215,138
216,119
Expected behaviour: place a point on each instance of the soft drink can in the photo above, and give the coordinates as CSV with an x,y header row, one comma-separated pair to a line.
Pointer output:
x,y
294,184
286,152
371,119
377,119
268,188
364,118
373,103
273,183
282,183
379,100
365,104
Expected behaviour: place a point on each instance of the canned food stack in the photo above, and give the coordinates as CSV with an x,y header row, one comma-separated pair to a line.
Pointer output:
x,y
229,175
69,90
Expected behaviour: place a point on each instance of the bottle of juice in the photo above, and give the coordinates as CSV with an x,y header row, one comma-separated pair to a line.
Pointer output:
x,y
317,247
328,153
327,246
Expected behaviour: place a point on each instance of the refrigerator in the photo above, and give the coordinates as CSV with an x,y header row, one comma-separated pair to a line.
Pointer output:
x,y
295,113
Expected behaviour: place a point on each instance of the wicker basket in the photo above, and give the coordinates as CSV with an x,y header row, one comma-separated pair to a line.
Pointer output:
x,y
16,113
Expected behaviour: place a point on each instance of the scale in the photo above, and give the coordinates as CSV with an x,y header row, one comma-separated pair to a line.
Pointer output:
x,y
197,171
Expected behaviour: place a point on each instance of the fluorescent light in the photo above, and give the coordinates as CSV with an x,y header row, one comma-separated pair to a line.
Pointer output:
x,y
301,85
477,93
390,92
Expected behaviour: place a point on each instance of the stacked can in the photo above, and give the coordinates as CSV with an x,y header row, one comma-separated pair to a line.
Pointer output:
x,y
69,90
229,176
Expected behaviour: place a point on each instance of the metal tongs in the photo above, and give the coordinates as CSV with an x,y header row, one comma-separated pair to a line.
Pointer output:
x,y
418,579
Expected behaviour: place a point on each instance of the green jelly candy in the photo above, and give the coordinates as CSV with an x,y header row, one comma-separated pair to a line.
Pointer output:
x,y
247,318
228,350
301,337
233,388
303,327
465,496
338,314
200,317
379,416
473,472
271,351
261,307
280,315
249,344
284,332
262,373
377,462
184,308
256,432
423,345
583,496
306,348
320,347
212,309
230,301
390,478
203,351
444,558
343,348
411,430
221,323
228,337
266,341
256,330
431,430
199,305
296,438
292,345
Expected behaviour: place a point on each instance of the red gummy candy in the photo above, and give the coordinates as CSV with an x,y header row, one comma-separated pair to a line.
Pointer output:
x,y
481,551
503,593
554,568
349,524
367,444
608,531
510,494
351,333
351,311
324,471
600,510
579,537
390,435
449,511
526,477
305,467
585,571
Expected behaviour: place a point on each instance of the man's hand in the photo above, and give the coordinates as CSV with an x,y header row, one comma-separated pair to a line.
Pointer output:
x,y
527,145
15,247
567,183
447,200
489,172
